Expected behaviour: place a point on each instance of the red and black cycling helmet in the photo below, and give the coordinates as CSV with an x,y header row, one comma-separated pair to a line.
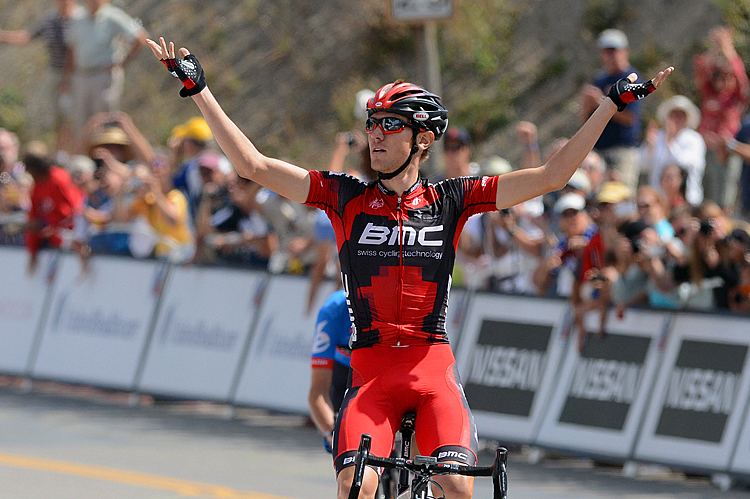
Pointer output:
x,y
421,107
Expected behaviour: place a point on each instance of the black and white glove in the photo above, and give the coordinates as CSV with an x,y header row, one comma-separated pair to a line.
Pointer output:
x,y
623,92
190,73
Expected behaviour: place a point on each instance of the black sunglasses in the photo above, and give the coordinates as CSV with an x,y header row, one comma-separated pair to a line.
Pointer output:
x,y
389,124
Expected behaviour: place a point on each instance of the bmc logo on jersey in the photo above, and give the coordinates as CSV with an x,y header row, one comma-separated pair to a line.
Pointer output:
x,y
421,116
376,235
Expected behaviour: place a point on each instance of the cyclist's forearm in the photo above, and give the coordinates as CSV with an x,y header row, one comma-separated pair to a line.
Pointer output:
x,y
241,152
321,413
565,162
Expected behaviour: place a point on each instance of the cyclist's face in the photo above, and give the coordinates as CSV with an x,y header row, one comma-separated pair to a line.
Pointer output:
x,y
388,151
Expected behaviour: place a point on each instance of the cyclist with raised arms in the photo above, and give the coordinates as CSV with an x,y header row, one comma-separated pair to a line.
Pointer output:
x,y
396,238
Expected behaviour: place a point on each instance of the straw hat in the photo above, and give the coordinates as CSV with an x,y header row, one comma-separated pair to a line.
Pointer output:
x,y
683,103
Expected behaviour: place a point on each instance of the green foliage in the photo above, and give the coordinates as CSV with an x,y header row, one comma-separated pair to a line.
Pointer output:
x,y
478,37
484,110
602,14
12,109
737,15
385,40
556,66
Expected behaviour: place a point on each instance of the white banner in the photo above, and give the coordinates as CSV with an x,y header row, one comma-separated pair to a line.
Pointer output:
x,y
276,374
98,322
200,336
699,400
508,357
603,390
22,300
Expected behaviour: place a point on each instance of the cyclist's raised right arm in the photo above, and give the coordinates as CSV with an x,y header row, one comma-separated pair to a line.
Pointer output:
x,y
279,176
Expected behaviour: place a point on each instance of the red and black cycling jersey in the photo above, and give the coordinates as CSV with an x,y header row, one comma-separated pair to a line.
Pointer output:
x,y
397,287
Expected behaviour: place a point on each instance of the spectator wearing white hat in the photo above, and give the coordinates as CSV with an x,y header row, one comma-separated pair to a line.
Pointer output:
x,y
678,143
560,266
619,141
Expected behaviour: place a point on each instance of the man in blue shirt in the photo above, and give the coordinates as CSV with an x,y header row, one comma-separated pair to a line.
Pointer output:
x,y
619,141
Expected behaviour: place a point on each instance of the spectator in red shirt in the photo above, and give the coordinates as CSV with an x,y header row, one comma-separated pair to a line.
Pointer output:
x,y
55,200
723,88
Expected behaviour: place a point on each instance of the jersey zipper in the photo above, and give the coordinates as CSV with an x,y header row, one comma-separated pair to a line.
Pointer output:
x,y
400,271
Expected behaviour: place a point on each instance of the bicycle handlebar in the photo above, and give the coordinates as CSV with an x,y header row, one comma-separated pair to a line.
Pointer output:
x,y
429,467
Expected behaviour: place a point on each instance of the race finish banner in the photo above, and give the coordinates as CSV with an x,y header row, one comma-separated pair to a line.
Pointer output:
x,y
508,358
276,374
22,301
99,321
602,391
200,336
698,405
421,10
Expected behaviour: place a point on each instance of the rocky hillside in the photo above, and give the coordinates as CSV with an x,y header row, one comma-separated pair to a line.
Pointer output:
x,y
287,70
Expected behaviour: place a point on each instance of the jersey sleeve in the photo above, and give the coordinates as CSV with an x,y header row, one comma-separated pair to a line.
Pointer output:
x,y
480,194
330,191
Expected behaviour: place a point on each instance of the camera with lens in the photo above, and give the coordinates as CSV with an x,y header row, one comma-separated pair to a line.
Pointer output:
x,y
707,226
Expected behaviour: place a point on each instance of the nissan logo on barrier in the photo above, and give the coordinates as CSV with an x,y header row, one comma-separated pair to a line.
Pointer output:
x,y
507,366
606,381
702,390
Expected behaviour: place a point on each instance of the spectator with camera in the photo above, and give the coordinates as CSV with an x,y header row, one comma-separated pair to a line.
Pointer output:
x,y
237,234
508,250
94,230
706,277
612,206
557,272
157,213
642,276
738,255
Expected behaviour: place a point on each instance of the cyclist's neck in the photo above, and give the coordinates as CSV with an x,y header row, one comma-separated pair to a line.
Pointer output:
x,y
403,182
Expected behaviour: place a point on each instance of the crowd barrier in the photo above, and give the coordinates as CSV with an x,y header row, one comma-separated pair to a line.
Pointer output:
x,y
659,387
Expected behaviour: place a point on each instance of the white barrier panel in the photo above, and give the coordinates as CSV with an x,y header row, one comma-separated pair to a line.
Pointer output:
x,y
98,323
200,335
602,391
22,298
276,374
741,458
699,400
508,358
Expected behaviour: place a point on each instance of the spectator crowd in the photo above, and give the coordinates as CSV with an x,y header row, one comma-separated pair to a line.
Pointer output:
x,y
657,215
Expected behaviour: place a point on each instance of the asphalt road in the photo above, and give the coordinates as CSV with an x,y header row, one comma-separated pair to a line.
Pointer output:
x,y
64,442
